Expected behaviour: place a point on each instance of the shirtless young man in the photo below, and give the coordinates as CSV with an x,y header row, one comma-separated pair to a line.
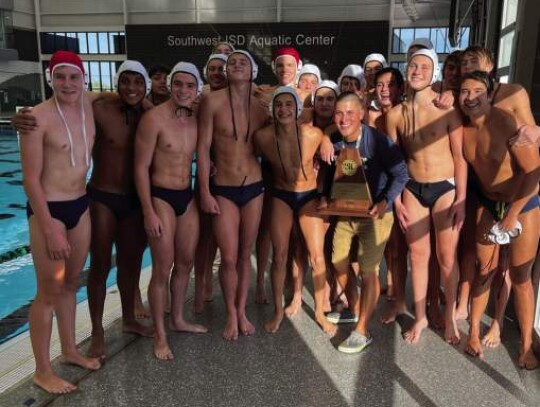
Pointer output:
x,y
164,146
115,212
114,205
386,175
227,122
508,193
223,47
214,74
55,158
290,147
389,86
514,99
373,64
159,91
308,79
352,79
432,141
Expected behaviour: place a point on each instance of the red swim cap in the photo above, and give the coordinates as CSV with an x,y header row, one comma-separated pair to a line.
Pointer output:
x,y
65,58
280,52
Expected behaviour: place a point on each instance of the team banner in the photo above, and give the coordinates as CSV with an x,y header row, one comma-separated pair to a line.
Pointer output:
x,y
329,45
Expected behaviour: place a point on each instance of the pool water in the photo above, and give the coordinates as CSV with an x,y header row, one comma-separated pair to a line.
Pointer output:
x,y
17,276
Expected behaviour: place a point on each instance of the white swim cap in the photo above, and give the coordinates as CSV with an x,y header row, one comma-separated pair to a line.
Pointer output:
x,y
287,89
421,42
133,66
431,54
353,71
221,57
376,57
309,69
254,67
186,67
325,84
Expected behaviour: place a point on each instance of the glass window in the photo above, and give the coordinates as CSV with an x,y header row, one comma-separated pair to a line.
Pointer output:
x,y
421,33
464,37
92,43
83,44
407,35
506,48
510,11
106,79
396,38
103,43
95,77
112,47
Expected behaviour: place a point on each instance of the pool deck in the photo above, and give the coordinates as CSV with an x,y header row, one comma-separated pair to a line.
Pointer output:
x,y
298,366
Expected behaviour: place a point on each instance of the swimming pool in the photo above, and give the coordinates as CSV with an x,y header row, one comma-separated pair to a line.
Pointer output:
x,y
17,277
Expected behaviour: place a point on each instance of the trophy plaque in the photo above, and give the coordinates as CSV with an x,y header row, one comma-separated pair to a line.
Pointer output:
x,y
350,195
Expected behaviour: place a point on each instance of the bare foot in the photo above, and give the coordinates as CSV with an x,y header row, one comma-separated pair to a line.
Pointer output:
x,y
53,384
273,325
435,317
393,310
97,347
75,358
134,327
140,311
260,296
451,333
198,306
292,309
246,328
162,350
493,337
184,326
230,332
462,313
474,347
413,335
527,360
329,328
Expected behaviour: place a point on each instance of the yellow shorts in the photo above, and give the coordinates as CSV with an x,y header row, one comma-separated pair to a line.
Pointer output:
x,y
372,237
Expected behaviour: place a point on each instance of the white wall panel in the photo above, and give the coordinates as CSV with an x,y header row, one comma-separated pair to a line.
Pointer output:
x,y
185,17
23,14
363,12
84,22
80,6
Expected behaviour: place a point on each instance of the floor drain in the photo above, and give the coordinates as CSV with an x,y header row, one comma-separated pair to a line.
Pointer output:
x,y
29,402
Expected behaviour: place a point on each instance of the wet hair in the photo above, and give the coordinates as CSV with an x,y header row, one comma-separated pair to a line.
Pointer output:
x,y
480,52
479,76
352,95
396,74
159,68
454,57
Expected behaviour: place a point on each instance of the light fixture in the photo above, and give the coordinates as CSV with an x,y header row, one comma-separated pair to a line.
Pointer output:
x,y
410,9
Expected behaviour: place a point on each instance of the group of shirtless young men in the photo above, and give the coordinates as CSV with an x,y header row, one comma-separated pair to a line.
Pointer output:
x,y
414,146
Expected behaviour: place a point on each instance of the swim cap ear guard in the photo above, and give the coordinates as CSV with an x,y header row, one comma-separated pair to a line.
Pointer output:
x,y
186,67
254,66
221,57
136,67
65,58
287,90
431,54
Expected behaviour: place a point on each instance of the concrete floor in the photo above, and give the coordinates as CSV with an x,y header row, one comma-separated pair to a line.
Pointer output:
x,y
298,366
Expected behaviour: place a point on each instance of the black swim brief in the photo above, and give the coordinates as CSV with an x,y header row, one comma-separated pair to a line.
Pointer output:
x,y
67,212
295,200
427,193
179,199
498,209
121,205
239,195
